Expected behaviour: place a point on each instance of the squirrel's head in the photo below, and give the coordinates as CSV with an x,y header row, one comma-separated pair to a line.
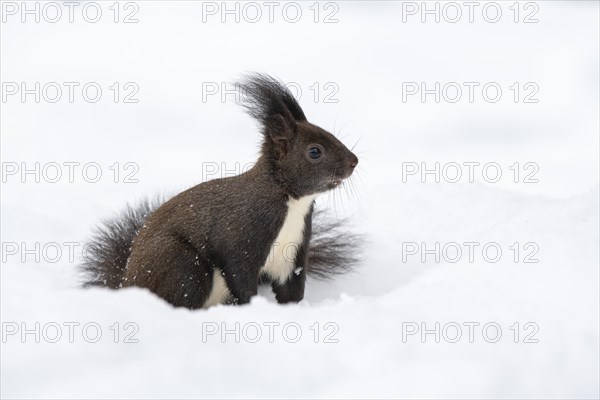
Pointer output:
x,y
304,158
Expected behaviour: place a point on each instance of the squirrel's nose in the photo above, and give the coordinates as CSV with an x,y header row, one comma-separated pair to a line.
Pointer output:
x,y
353,161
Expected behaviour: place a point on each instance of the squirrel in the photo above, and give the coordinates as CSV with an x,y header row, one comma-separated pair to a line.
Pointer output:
x,y
216,242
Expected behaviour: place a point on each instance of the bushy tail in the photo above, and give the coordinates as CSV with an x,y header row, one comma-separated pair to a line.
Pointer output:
x,y
107,253
333,249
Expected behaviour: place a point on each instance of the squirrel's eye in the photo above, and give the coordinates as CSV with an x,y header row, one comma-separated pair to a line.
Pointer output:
x,y
314,153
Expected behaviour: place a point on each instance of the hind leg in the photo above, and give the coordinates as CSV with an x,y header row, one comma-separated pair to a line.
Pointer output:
x,y
172,270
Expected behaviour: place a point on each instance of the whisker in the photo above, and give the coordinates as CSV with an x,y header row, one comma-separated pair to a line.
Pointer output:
x,y
354,191
334,121
348,192
343,126
352,149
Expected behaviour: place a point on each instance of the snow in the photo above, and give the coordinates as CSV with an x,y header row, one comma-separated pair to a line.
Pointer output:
x,y
361,333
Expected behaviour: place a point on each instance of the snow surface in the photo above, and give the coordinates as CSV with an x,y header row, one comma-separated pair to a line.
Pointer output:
x,y
171,132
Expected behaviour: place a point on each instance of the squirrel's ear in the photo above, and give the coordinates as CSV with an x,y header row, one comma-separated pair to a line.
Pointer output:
x,y
280,132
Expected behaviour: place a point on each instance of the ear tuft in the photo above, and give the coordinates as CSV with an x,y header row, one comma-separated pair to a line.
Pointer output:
x,y
271,104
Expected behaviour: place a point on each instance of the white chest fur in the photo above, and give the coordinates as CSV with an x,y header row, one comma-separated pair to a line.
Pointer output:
x,y
282,255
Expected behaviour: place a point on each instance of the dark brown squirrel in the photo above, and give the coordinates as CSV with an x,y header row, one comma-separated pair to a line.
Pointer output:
x,y
217,241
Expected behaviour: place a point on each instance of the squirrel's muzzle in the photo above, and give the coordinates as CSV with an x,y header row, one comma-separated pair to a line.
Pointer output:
x,y
351,163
